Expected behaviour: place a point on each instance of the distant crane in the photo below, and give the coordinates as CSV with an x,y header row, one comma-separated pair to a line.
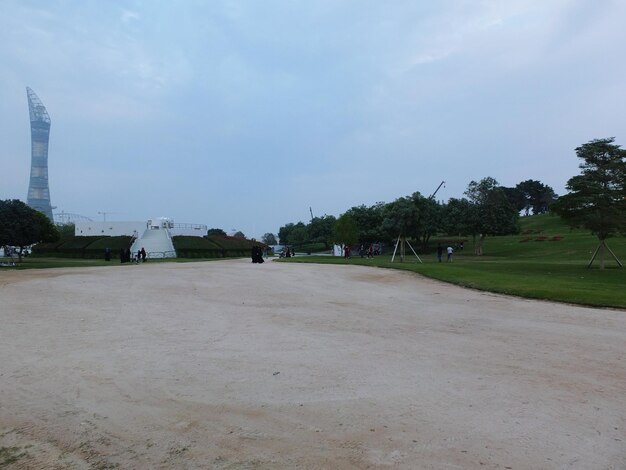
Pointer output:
x,y
438,187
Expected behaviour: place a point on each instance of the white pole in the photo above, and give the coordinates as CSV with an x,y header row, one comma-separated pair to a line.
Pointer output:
x,y
414,252
394,250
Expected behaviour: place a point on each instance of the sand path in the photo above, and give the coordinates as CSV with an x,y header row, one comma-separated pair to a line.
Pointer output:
x,y
230,365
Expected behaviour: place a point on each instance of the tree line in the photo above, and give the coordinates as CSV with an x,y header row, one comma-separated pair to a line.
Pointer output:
x,y
596,201
486,209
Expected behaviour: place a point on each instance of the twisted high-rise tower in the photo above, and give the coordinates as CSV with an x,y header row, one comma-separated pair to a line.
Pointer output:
x,y
38,190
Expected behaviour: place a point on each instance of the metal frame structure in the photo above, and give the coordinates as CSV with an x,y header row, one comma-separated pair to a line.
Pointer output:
x,y
63,218
38,188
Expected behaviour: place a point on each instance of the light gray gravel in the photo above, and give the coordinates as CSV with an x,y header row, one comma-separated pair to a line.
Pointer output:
x,y
229,364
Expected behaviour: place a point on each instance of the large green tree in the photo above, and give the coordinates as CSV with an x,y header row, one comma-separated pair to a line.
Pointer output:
x,y
293,234
517,199
428,221
536,196
299,235
369,220
400,221
320,230
597,197
269,239
21,225
400,218
345,231
460,217
493,213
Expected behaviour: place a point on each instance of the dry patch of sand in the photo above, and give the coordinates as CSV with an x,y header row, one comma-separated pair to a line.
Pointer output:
x,y
232,365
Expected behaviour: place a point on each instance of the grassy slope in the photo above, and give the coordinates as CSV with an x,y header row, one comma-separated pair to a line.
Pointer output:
x,y
551,270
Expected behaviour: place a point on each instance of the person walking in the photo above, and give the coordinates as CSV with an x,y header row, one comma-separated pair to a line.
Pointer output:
x,y
450,250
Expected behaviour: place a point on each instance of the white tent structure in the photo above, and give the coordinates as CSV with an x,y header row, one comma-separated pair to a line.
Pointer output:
x,y
156,239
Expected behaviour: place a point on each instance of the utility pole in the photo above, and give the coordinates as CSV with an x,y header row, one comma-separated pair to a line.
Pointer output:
x,y
311,211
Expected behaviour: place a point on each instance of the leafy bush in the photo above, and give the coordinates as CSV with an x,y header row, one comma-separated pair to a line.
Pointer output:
x,y
216,246
233,243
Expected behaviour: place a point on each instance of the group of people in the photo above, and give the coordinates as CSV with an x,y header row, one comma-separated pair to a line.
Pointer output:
x,y
127,257
449,251
369,250
365,250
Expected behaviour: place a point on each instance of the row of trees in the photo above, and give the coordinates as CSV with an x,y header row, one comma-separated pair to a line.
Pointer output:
x,y
318,231
596,201
487,209
218,232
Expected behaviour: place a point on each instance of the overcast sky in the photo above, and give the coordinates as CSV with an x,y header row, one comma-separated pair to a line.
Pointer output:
x,y
243,114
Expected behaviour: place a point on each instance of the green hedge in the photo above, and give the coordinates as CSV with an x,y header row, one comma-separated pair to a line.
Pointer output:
x,y
212,247
233,243
197,247
185,242
73,247
96,249
186,247
78,243
47,247
83,247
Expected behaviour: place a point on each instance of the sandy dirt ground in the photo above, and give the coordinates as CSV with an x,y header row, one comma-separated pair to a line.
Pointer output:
x,y
230,365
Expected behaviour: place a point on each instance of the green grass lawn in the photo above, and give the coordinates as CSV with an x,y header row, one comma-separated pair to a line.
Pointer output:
x,y
39,262
527,265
